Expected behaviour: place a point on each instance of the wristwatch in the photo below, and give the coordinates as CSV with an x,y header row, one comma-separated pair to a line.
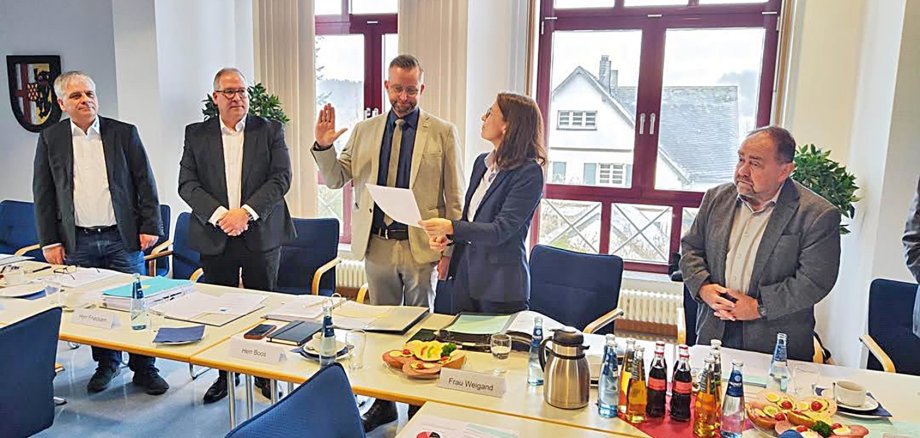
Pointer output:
x,y
761,310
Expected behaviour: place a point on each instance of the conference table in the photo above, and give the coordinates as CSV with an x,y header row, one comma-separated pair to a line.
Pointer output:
x,y
444,419
522,403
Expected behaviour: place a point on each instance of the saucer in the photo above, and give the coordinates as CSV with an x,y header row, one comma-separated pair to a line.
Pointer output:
x,y
311,348
869,405
21,290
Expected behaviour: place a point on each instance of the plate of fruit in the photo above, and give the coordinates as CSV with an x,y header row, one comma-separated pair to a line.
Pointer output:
x,y
821,430
769,408
424,359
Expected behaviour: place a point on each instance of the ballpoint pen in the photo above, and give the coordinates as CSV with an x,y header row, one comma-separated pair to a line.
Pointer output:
x,y
43,268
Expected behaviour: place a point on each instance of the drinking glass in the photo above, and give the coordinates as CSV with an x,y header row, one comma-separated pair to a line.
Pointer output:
x,y
54,292
356,340
804,379
500,345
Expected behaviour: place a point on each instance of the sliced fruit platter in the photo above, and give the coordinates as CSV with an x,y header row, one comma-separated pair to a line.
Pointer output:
x,y
424,359
777,412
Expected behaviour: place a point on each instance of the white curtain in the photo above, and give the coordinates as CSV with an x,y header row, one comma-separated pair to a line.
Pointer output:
x,y
284,34
436,33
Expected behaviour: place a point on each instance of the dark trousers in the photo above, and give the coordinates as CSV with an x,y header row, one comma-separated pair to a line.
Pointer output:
x,y
106,250
259,270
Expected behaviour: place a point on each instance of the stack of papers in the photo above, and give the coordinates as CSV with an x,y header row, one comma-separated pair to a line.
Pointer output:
x,y
179,335
79,277
197,306
6,259
303,307
156,290
349,315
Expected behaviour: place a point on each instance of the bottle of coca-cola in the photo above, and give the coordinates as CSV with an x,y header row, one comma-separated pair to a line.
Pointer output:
x,y
681,386
657,383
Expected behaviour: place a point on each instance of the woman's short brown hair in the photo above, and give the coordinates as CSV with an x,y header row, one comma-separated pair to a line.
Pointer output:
x,y
523,139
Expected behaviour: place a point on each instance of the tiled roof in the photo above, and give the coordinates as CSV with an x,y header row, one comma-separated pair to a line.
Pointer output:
x,y
698,126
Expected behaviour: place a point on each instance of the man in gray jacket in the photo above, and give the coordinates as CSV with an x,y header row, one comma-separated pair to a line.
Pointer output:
x,y
761,252
912,250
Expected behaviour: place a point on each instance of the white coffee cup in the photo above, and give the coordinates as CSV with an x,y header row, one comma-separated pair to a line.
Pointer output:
x,y
849,393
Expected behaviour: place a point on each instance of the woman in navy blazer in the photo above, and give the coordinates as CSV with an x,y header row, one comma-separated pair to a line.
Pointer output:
x,y
488,269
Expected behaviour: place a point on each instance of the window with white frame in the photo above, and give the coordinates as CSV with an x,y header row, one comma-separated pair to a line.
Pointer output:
x,y
611,174
574,120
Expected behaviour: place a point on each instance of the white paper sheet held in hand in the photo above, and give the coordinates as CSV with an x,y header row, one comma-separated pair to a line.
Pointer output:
x,y
397,203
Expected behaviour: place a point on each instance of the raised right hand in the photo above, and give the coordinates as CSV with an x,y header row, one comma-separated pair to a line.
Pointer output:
x,y
54,254
325,132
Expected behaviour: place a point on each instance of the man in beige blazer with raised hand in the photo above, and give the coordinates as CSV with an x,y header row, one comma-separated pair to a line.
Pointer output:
x,y
404,147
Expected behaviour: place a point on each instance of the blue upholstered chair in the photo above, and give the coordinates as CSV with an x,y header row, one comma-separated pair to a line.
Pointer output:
x,y
157,256
891,340
324,407
18,234
185,260
26,389
308,263
576,289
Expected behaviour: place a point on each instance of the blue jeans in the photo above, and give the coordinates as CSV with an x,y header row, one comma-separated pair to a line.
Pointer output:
x,y
106,250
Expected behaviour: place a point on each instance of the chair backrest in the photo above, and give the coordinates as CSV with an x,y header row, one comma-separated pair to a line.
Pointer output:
x,y
26,389
17,228
185,259
574,288
891,307
324,407
691,309
317,243
162,263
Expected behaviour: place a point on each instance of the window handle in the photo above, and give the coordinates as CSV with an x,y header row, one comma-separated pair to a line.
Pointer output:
x,y
641,123
651,124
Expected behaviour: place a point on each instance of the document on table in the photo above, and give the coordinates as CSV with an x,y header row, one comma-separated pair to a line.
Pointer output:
x,y
6,259
79,277
397,203
433,426
210,309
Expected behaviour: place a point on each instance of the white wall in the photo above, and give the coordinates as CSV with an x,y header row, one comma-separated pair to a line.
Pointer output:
x,y
167,54
81,34
823,73
867,126
496,55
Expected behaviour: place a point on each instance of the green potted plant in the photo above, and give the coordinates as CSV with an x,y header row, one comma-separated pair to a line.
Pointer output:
x,y
260,104
826,177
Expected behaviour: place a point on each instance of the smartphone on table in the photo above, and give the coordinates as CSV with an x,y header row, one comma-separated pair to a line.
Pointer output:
x,y
260,331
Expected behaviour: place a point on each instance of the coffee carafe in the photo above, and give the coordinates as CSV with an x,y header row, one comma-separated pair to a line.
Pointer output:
x,y
565,369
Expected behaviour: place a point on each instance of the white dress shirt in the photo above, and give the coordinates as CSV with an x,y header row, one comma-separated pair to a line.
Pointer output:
x,y
233,169
483,187
744,241
92,200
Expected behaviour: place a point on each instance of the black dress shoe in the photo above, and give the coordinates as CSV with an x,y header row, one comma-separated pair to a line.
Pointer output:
x,y
380,413
218,389
151,381
102,377
265,387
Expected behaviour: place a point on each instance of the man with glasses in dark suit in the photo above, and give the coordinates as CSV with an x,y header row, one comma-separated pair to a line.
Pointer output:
x,y
96,204
234,173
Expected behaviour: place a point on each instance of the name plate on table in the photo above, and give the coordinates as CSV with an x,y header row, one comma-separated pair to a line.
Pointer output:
x,y
256,351
94,318
468,381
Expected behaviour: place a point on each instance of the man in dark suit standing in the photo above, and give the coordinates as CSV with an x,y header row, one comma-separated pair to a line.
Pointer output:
x,y
234,173
96,204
